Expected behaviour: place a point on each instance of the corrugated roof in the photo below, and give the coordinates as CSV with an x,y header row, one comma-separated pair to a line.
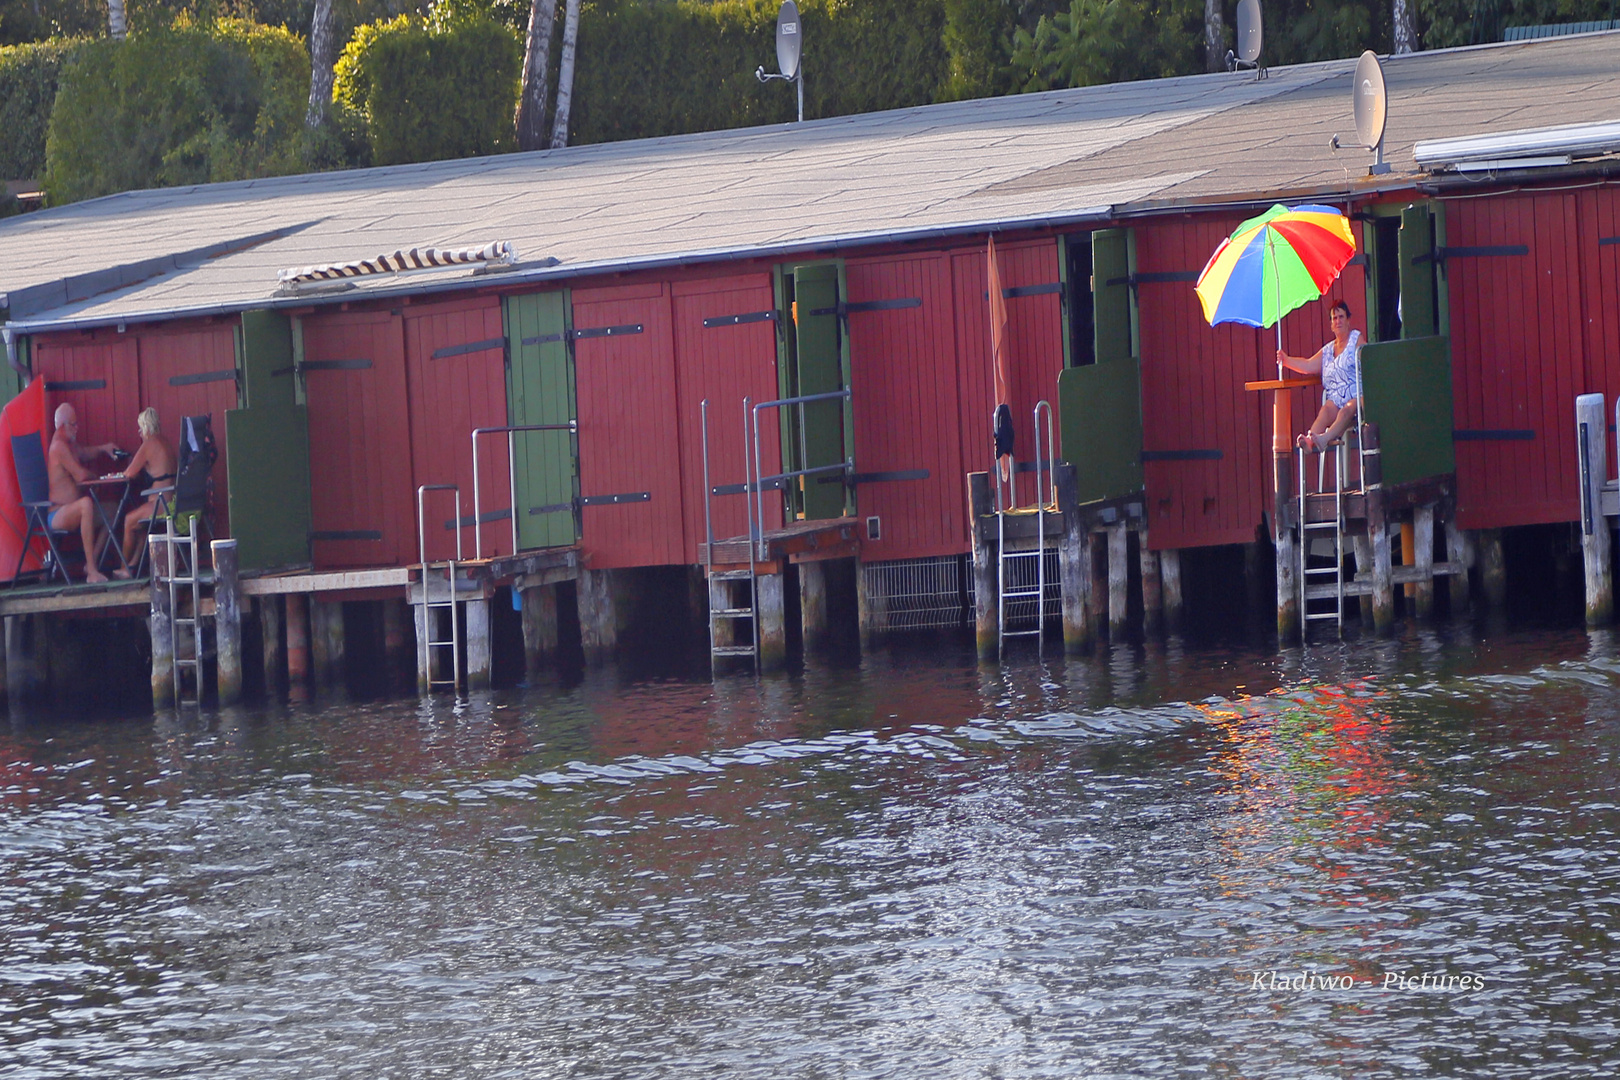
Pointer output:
x,y
1068,155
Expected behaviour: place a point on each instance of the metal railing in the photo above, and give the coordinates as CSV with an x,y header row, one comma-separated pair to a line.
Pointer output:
x,y
571,427
757,482
1007,499
426,640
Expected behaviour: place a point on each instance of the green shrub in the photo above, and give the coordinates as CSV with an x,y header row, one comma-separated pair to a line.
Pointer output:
x,y
431,89
183,105
28,77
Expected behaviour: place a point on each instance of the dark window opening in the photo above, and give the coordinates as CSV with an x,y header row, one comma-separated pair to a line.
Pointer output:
x,y
1082,314
1386,267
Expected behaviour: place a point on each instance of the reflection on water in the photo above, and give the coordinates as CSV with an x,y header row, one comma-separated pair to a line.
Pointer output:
x,y
1152,862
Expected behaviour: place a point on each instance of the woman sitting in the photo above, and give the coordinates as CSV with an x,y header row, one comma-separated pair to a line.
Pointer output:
x,y
156,458
1339,363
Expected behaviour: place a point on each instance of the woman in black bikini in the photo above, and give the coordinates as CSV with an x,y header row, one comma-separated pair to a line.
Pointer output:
x,y
156,458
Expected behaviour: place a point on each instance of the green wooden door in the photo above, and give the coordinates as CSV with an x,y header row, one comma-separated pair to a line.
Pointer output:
x,y
268,466
820,369
1422,299
540,390
1100,404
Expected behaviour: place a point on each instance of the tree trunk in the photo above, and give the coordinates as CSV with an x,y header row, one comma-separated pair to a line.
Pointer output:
x,y
1405,27
1214,36
116,25
320,64
531,110
565,75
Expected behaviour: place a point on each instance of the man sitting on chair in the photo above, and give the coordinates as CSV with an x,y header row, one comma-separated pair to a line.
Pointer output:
x,y
156,458
70,507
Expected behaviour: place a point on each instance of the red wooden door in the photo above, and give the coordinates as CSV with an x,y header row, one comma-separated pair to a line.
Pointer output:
x,y
192,373
907,407
100,377
629,456
1599,246
456,379
362,495
725,350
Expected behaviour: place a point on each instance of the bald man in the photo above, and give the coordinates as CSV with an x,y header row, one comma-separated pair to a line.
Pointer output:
x,y
70,507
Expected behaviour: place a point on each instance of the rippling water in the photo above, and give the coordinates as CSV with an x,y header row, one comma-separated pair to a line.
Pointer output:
x,y
1157,862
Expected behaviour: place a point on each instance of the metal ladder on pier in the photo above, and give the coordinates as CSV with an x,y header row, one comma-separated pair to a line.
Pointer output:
x,y
449,601
1011,564
185,631
1322,583
730,614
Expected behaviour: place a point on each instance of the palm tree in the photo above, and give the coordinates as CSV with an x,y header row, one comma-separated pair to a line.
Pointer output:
x,y
565,75
531,110
320,64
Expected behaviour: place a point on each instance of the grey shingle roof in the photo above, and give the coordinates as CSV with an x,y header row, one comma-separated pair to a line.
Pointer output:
x,y
1067,155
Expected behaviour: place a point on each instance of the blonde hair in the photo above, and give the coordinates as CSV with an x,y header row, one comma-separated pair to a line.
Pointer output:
x,y
147,422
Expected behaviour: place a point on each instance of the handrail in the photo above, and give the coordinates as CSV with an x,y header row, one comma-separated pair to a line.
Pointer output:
x,y
511,478
421,532
425,644
758,479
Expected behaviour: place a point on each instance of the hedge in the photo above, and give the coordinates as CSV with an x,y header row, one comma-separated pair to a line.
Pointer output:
x,y
28,78
184,105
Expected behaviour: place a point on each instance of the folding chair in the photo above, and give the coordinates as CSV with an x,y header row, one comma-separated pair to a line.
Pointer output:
x,y
33,482
182,507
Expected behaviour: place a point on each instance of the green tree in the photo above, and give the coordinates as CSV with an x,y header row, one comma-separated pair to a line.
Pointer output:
x,y
1102,41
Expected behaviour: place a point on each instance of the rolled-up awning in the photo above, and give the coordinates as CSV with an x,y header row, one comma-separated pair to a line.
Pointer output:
x,y
415,259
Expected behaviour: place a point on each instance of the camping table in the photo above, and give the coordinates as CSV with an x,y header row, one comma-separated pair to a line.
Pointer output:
x,y
96,485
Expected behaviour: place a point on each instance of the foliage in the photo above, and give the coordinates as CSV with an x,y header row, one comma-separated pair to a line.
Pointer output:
x,y
427,89
1100,41
977,61
1445,23
28,77
23,21
184,105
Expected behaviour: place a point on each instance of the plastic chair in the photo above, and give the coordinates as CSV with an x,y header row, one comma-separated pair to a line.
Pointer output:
x,y
33,482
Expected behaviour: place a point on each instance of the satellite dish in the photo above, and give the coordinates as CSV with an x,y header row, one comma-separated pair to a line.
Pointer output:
x,y
1248,31
789,39
1371,107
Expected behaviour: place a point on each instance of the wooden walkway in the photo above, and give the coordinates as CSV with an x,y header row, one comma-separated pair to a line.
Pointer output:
x,y
809,540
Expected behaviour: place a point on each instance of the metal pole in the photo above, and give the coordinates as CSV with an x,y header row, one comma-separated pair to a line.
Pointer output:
x,y
798,81
511,486
478,525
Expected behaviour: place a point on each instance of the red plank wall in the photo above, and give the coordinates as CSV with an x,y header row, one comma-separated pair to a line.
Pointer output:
x,y
449,396
1528,334
907,406
628,431
723,363
1035,350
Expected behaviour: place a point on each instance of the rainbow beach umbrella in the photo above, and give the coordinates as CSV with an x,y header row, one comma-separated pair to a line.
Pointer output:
x,y
1274,263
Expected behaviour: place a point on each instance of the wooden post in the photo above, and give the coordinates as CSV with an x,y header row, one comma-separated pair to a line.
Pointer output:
x,y
297,639
539,626
721,591
1289,627
1422,554
479,652
1458,554
1362,546
1119,581
21,686
395,647
427,659
227,623
770,610
320,641
162,629
598,618
1095,552
1493,568
1383,584
1152,587
813,604
1074,577
1170,576
1591,430
986,633
270,620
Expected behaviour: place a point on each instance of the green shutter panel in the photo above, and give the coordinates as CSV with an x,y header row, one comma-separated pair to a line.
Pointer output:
x,y
1419,311
819,350
1112,303
1407,388
540,390
267,359
267,472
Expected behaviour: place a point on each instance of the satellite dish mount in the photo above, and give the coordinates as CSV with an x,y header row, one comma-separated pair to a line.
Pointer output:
x,y
789,51
1247,55
1371,104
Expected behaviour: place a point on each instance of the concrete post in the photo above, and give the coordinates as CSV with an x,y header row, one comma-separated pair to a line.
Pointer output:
x,y
1423,559
539,626
270,619
1152,588
1119,580
479,652
1460,554
297,639
1592,442
227,623
1493,568
598,617
1170,577
162,629
985,631
771,613
813,604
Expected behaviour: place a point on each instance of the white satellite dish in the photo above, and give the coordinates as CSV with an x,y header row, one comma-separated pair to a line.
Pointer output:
x,y
789,50
1249,37
1371,103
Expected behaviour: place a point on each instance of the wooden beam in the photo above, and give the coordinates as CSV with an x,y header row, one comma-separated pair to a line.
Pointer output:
x,y
392,577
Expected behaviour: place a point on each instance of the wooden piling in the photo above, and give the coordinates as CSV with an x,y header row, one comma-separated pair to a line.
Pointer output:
x,y
539,626
1170,578
396,648
1074,573
1422,556
1591,432
1383,596
985,631
479,651
598,619
872,605
274,653
428,659
1152,588
813,604
21,685
162,629
1287,571
1119,580
1493,568
297,639
227,623
320,642
770,611
1361,544
1460,553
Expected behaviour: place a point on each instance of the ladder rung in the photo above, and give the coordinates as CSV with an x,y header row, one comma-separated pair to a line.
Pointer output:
x,y
1016,594
730,575
731,613
1331,570
732,650
1319,615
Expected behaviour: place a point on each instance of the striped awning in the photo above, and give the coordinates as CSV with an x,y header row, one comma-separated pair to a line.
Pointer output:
x,y
414,259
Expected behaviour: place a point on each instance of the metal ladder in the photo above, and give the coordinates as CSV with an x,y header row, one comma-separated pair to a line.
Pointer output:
x,y
730,614
1326,590
183,628
428,640
1007,561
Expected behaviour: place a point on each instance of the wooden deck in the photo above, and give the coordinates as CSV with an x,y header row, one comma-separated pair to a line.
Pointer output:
x,y
800,541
